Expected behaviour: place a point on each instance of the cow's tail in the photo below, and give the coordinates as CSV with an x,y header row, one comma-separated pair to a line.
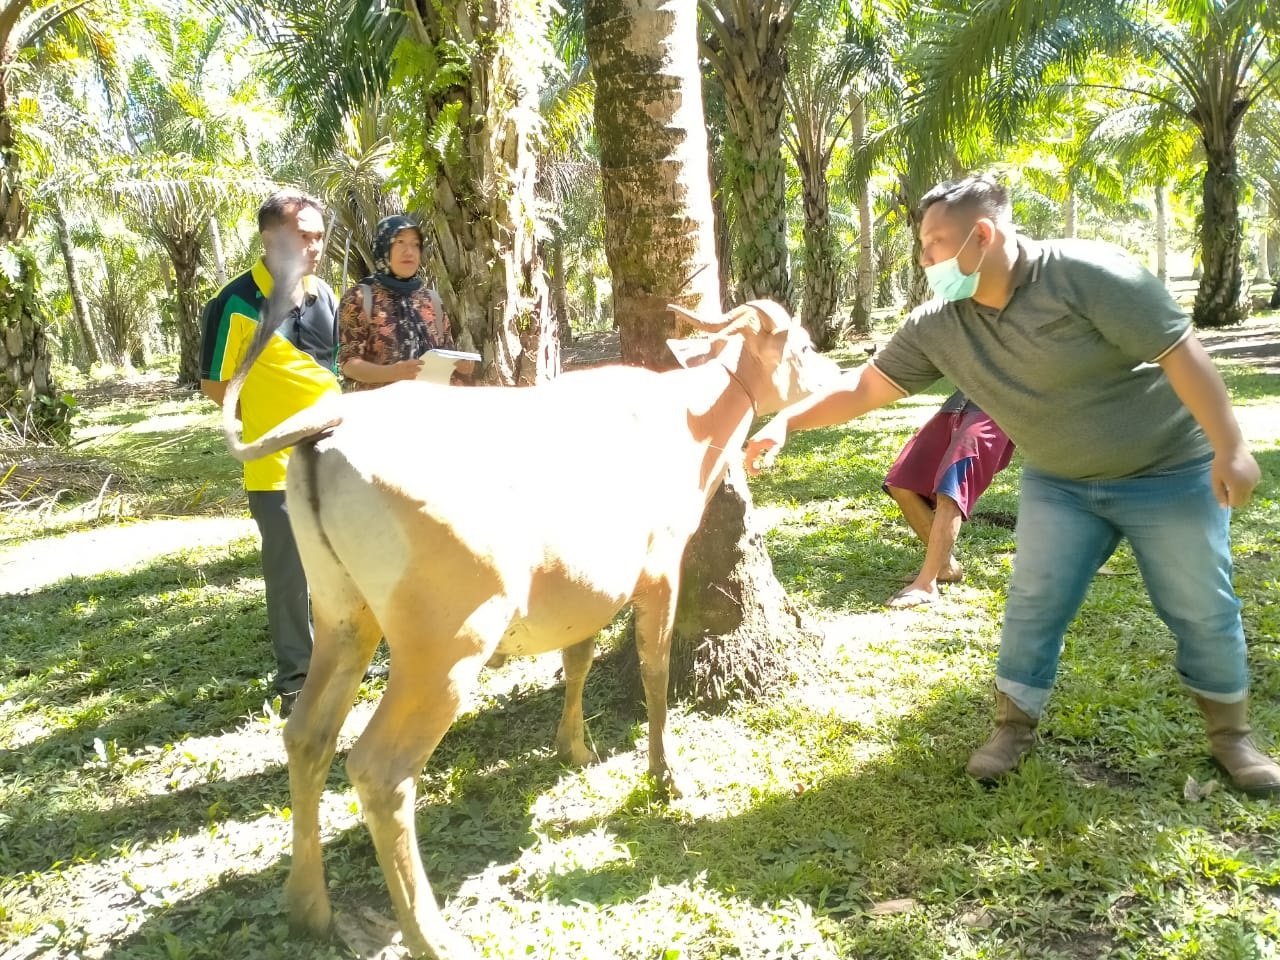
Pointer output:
x,y
307,457
306,423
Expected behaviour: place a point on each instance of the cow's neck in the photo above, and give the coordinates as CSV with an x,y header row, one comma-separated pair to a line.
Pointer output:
x,y
720,414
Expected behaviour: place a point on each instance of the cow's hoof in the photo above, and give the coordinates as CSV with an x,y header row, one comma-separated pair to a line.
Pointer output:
x,y
577,755
313,919
665,787
440,945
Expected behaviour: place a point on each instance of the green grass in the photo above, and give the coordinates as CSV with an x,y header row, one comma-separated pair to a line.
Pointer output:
x,y
150,450
144,800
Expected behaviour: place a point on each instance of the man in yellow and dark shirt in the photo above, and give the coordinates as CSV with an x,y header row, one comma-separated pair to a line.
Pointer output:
x,y
296,369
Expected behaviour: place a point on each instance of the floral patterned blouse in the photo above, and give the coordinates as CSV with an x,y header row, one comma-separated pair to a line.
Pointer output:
x,y
387,336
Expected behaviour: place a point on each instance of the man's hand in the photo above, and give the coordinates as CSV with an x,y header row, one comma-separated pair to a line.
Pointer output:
x,y
1234,476
764,447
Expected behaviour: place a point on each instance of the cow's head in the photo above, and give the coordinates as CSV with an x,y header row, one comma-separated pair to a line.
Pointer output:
x,y
764,347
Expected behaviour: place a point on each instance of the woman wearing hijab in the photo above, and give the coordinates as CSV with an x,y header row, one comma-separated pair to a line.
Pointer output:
x,y
391,318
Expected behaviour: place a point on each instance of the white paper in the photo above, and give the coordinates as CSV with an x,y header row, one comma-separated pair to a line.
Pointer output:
x,y
438,365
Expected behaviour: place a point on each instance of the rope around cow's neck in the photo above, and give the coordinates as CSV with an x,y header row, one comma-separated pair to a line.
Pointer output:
x,y
750,399
738,380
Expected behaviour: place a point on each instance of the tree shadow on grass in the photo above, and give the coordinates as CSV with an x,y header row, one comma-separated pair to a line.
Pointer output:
x,y
1046,861
157,655
501,751
493,761
1039,861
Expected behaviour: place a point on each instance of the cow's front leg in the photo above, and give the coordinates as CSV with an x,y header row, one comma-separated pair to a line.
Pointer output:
x,y
655,609
571,742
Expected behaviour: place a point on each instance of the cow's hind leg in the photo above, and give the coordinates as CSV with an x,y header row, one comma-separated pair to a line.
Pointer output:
x,y
429,679
345,637
655,610
571,743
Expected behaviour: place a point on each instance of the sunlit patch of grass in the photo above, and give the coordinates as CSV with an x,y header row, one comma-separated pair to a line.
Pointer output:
x,y
144,800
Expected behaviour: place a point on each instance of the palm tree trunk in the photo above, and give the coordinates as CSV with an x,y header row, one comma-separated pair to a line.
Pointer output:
x,y
748,51
27,391
1261,273
1221,299
79,302
1162,234
559,286
819,249
658,235
1069,212
484,219
184,252
219,258
735,626
864,290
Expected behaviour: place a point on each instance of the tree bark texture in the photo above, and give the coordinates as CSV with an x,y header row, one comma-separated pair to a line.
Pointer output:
x,y
747,48
735,632
184,253
91,348
1162,232
820,282
484,216
559,286
659,239
1221,299
28,395
1261,273
864,289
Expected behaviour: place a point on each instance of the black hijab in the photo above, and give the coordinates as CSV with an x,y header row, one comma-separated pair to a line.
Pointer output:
x,y
382,237
414,336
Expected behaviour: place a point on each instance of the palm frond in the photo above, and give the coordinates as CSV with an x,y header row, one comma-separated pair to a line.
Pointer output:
x,y
328,57
967,45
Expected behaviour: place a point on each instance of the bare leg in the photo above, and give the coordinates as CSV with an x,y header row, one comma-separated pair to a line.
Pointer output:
x,y
938,558
571,743
920,517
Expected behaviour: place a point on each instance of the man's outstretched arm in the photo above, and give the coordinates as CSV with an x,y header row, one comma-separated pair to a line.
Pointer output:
x,y
857,392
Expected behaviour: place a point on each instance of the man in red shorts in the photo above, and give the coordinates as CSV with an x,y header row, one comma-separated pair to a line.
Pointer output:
x,y
936,480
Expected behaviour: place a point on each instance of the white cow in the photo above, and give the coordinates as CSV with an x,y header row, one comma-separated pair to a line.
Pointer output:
x,y
464,523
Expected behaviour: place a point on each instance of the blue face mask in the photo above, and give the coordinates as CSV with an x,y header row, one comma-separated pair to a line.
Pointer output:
x,y
948,281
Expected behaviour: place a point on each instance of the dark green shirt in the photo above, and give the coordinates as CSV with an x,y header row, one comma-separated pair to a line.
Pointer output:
x,y
1067,368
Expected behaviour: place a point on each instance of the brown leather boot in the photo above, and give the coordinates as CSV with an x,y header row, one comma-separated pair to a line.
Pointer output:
x,y
1250,770
1012,739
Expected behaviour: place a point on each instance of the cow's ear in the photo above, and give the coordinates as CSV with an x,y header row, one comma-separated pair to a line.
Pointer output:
x,y
695,351
770,317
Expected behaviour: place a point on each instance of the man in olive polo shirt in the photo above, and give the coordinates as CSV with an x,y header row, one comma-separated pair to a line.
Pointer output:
x,y
1126,429
296,368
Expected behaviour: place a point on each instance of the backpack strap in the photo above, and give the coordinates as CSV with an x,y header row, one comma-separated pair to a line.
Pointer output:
x,y
437,308
366,292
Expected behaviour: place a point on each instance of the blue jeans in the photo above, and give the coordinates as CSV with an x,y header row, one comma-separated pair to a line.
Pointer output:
x,y
1068,528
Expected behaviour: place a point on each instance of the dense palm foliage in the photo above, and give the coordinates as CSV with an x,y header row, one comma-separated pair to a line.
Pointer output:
x,y
1210,62
156,127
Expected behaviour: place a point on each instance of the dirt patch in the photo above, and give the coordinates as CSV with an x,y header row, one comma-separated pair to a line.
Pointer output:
x,y
1256,342
592,350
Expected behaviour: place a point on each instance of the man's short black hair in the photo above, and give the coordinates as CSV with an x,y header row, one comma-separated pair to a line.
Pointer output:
x,y
979,193
281,204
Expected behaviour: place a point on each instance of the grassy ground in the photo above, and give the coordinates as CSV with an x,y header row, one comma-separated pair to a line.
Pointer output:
x,y
143,797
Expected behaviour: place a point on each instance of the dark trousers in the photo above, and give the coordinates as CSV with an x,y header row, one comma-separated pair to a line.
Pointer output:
x,y
288,610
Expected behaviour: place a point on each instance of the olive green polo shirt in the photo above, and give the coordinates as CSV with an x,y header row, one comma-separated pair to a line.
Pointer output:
x,y
1068,368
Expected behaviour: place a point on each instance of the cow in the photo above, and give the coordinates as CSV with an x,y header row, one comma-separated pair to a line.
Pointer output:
x,y
464,523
